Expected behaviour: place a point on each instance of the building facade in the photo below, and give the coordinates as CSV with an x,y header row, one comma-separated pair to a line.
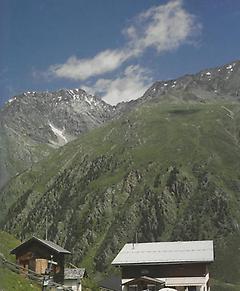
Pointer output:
x,y
35,254
179,265
111,283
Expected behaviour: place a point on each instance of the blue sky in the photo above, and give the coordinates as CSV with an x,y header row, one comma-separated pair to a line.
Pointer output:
x,y
115,49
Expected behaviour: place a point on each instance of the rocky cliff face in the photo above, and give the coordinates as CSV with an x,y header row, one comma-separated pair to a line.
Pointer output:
x,y
34,123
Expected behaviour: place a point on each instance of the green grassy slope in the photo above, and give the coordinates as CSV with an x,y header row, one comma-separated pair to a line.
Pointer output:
x,y
167,172
9,280
7,243
18,152
221,286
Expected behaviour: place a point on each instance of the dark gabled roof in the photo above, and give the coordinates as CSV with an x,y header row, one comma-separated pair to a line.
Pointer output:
x,y
112,283
73,274
47,243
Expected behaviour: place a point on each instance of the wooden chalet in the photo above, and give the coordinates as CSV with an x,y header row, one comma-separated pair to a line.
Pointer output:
x,y
35,254
153,266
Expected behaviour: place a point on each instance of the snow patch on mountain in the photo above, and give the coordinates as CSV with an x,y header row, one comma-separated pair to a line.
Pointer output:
x,y
11,100
59,133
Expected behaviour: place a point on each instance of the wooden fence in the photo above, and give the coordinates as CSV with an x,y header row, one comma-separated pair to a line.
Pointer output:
x,y
31,275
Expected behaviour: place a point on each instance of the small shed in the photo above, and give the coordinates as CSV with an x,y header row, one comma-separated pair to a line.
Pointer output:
x,y
73,278
35,253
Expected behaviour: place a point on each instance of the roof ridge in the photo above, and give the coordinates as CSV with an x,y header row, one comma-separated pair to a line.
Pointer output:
x,y
49,244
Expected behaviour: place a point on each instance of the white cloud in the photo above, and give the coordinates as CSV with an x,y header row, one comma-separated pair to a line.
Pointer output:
x,y
131,85
81,69
164,27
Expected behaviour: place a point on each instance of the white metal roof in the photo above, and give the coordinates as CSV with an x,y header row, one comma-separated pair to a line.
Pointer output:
x,y
165,253
73,274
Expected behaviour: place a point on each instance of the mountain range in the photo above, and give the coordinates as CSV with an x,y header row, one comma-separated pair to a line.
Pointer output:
x,y
33,124
162,167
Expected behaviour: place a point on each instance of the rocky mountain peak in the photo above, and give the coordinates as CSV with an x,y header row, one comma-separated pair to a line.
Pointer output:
x,y
67,96
221,83
32,124
45,116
